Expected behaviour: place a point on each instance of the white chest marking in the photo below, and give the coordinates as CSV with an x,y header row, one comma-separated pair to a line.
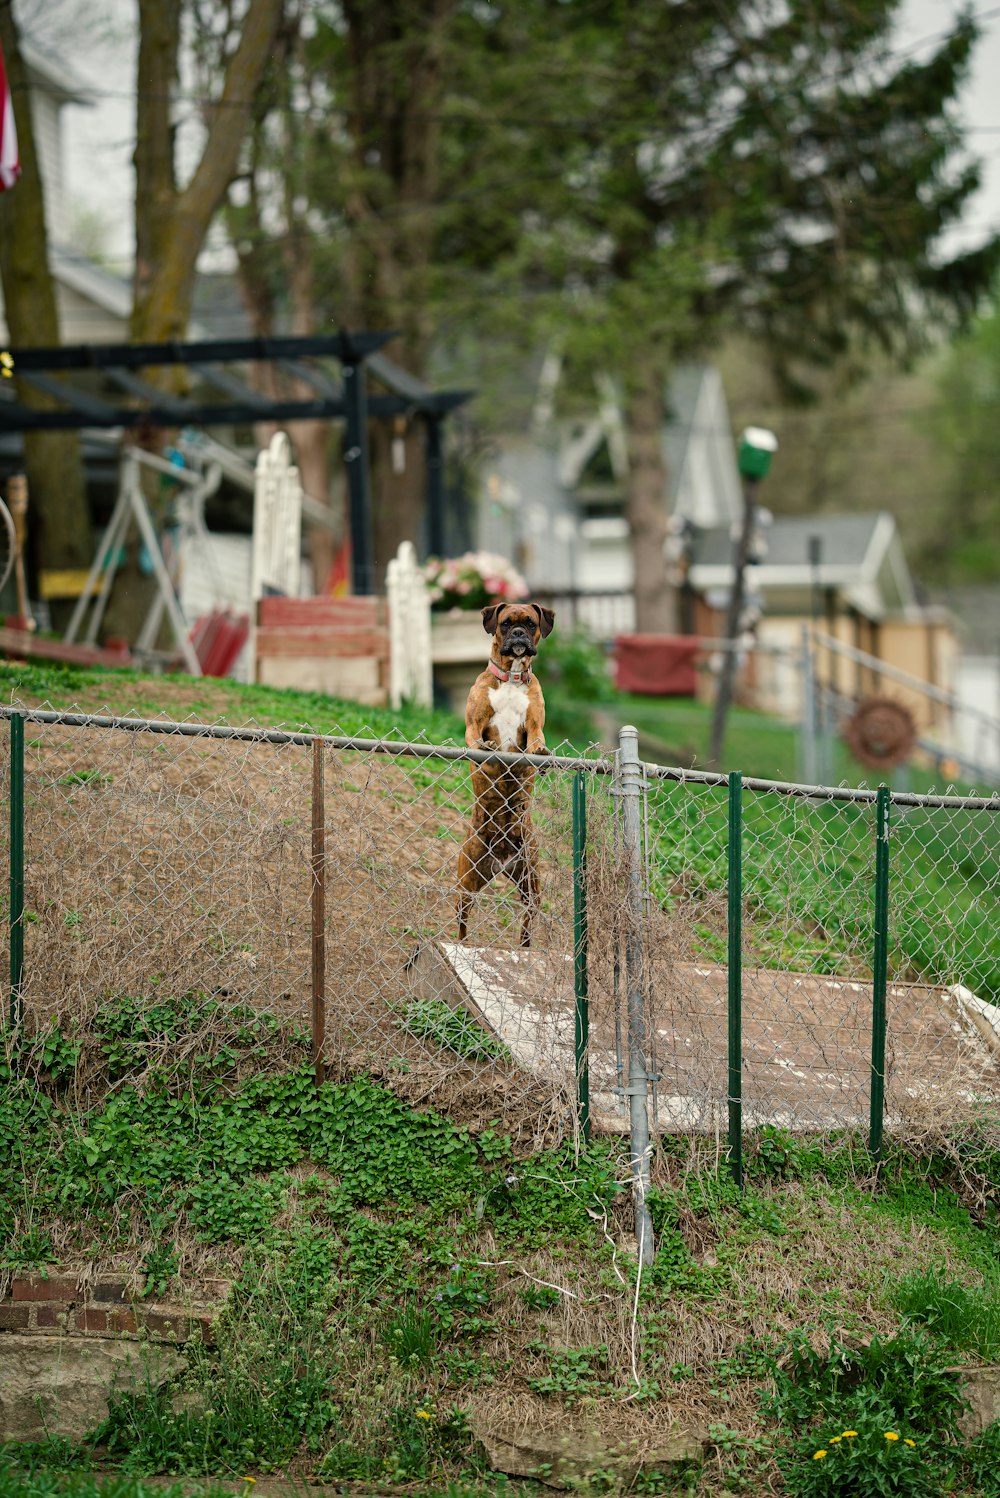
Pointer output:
x,y
509,701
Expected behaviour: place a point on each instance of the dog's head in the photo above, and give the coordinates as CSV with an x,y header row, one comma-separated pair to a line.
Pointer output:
x,y
518,627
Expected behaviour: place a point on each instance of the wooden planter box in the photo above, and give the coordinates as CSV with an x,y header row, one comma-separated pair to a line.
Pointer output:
x,y
460,648
339,646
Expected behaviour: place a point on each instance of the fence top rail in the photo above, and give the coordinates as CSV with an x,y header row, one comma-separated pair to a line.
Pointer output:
x,y
405,749
257,734
822,792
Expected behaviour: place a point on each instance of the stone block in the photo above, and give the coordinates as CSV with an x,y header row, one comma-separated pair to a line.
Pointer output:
x,y
981,1387
61,1385
111,1290
564,1459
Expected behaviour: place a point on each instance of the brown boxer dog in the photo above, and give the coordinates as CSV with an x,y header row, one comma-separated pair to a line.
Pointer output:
x,y
505,711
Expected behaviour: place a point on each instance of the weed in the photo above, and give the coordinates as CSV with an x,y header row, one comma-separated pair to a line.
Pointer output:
x,y
462,1300
894,1393
454,1029
964,1316
981,1461
902,1379
870,1458
412,1337
540,1297
573,1373
160,1264
737,1457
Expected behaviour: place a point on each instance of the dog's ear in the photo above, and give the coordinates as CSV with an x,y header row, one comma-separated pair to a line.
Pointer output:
x,y
546,619
491,614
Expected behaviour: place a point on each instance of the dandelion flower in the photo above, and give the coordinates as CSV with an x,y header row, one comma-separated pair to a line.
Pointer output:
x,y
422,1415
849,1432
818,1456
835,1439
908,1442
891,1435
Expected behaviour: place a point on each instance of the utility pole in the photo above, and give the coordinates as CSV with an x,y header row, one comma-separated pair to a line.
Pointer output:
x,y
757,447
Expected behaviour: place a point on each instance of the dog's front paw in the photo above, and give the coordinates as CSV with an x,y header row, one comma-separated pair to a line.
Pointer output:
x,y
539,749
485,743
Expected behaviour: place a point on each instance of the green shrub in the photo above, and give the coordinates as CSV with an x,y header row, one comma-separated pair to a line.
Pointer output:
x,y
576,677
412,1337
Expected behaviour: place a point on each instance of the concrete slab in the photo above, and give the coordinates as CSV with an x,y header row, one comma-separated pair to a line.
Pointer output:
x,y
806,1038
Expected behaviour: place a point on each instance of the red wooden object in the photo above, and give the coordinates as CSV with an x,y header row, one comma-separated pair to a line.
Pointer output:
x,y
656,665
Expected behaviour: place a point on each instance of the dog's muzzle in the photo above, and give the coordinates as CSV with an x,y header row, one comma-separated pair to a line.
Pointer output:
x,y
518,642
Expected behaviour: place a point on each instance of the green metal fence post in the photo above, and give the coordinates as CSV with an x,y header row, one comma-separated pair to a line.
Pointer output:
x,y
880,966
735,934
582,1026
16,866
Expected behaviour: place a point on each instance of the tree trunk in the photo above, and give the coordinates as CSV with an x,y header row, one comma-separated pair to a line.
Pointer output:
x,y
656,610
59,518
171,225
397,54
310,439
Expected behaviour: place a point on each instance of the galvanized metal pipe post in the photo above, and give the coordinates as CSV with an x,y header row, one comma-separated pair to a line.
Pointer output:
x,y
880,966
735,949
16,867
580,975
318,911
630,787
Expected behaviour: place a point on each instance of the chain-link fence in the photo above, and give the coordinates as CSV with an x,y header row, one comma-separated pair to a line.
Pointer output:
x,y
707,953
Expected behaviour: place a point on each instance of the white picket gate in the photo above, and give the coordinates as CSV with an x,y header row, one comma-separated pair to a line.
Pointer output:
x,y
410,672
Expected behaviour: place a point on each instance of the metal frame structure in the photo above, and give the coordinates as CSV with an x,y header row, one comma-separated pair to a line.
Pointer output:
x,y
69,407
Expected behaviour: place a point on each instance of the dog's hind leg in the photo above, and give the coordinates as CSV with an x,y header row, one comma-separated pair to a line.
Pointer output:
x,y
475,870
524,872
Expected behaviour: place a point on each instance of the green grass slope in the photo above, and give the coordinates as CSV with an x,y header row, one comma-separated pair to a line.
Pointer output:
x,y
401,1285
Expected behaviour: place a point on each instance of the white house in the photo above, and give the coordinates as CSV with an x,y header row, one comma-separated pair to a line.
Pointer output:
x,y
554,497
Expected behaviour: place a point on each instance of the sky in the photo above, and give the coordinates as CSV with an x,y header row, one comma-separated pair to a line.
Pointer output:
x,y
97,40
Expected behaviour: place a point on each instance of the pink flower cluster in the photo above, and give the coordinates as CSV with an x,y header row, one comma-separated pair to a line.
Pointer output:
x,y
473,580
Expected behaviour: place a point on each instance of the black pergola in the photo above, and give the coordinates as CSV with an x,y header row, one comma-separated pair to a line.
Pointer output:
x,y
75,408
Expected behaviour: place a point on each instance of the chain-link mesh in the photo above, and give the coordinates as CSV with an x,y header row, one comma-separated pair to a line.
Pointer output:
x,y
686,858
485,1027
162,863
165,859
807,905
944,962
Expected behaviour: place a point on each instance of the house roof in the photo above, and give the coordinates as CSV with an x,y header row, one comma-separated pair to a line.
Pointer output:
x,y
55,77
861,557
90,280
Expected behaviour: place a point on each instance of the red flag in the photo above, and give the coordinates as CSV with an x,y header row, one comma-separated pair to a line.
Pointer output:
x,y
10,164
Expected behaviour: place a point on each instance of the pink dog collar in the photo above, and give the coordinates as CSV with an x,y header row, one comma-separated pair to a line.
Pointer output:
x,y
522,675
